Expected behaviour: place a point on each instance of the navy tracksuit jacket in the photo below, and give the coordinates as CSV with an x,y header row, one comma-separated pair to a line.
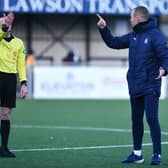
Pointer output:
x,y
148,52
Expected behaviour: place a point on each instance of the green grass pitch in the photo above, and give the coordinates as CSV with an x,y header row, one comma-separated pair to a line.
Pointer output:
x,y
77,134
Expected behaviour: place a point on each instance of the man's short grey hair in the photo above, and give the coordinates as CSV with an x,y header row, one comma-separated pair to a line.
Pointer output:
x,y
142,12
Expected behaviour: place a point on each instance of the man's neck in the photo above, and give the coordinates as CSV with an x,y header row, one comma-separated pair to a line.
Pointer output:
x,y
9,37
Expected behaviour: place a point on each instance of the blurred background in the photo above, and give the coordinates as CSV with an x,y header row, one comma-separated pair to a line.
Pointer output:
x,y
66,57
77,113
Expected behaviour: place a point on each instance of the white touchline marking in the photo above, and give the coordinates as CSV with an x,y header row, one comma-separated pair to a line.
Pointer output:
x,y
79,148
71,128
79,128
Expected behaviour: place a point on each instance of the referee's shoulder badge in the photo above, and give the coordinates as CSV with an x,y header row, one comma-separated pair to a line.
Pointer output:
x,y
25,52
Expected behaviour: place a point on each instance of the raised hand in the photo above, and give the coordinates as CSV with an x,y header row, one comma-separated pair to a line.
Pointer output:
x,y
2,21
8,19
101,22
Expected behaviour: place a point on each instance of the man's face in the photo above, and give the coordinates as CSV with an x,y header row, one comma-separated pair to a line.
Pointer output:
x,y
134,20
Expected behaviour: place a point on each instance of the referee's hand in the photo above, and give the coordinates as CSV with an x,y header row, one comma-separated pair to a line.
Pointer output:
x,y
2,21
23,91
8,19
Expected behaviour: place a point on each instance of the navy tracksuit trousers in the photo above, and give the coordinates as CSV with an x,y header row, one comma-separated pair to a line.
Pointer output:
x,y
148,103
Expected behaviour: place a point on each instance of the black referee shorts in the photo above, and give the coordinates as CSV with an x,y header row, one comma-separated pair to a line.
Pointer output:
x,y
8,84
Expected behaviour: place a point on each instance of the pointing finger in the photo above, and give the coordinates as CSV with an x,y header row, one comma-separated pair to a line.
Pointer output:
x,y
11,14
99,16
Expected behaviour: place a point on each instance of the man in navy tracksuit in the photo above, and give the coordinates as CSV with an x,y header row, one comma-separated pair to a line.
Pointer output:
x,y
148,62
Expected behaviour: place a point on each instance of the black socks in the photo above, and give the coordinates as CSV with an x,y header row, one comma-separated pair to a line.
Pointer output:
x,y
5,130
